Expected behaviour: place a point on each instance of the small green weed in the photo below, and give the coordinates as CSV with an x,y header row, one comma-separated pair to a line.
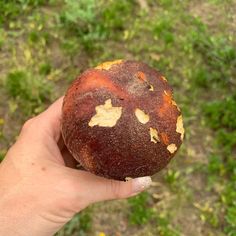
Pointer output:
x,y
164,227
10,10
221,113
2,155
227,140
70,46
140,212
215,165
111,16
172,176
79,225
228,198
166,3
201,77
33,37
45,69
209,213
163,29
28,90
2,39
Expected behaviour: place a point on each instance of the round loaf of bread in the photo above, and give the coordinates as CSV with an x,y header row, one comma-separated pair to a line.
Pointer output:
x,y
119,120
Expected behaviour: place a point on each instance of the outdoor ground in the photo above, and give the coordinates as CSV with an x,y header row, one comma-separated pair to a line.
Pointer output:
x,y
45,44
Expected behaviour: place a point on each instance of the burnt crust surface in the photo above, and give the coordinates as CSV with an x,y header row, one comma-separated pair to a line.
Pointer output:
x,y
128,147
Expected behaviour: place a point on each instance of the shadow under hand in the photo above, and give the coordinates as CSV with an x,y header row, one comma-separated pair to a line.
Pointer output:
x,y
67,157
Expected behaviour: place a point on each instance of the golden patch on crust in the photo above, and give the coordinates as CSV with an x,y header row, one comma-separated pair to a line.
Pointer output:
x,y
175,104
154,135
151,88
141,116
163,78
180,127
106,115
108,64
172,148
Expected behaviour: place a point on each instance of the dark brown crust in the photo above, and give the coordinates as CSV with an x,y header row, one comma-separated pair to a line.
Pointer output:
x,y
124,150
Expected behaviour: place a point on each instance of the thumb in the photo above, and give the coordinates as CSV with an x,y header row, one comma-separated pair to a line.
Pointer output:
x,y
47,122
92,188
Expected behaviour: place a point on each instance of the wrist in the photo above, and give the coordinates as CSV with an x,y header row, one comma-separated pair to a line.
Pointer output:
x,y
19,218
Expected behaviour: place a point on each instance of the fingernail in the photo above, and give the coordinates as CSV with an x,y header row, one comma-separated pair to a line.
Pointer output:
x,y
140,184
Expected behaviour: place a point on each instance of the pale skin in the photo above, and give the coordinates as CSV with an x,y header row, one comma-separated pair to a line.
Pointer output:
x,y
40,190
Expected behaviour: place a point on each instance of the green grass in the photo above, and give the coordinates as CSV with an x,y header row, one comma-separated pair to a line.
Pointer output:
x,y
92,27
140,211
164,227
80,225
10,10
27,90
221,115
45,44
1,156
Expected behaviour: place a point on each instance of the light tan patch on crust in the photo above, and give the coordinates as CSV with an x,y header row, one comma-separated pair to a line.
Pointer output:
x,y
172,148
107,65
141,116
151,88
180,127
163,78
154,135
106,115
175,104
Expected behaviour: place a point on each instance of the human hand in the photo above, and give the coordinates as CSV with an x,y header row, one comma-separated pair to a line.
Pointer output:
x,y
39,191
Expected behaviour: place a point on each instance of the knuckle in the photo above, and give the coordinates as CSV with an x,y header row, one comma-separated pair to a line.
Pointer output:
x,y
116,189
28,124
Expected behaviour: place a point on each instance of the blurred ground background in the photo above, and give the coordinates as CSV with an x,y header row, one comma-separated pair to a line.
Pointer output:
x,y
45,44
